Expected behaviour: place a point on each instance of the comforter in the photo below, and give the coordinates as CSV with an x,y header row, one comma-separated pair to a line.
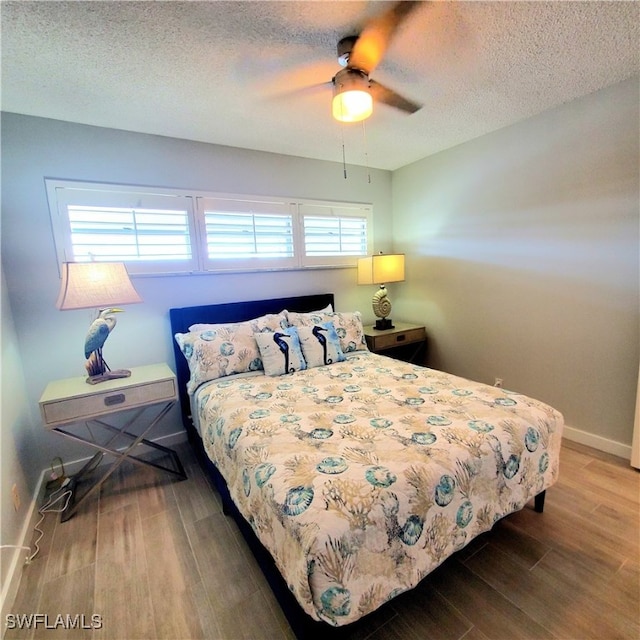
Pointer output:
x,y
363,476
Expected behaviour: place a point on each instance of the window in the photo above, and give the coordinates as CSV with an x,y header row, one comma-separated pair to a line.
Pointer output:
x,y
120,234
151,231
336,231
253,234
170,231
248,235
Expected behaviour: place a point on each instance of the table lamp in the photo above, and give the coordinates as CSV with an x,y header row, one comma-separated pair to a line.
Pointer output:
x,y
104,286
381,269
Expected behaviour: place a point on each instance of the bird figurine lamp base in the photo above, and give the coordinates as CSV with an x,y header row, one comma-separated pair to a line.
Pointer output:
x,y
108,375
97,368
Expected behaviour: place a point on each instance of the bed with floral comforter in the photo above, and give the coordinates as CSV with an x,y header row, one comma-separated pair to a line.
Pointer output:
x,y
362,476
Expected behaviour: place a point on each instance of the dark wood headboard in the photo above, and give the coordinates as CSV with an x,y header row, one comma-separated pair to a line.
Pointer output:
x,y
182,318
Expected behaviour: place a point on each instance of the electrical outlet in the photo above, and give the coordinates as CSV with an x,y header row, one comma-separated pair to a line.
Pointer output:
x,y
16,497
498,383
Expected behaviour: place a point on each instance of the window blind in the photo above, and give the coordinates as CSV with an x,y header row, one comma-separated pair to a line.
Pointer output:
x,y
335,236
248,235
128,234
158,230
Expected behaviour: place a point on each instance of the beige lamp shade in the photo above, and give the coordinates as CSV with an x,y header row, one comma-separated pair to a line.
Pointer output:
x,y
103,286
87,285
381,269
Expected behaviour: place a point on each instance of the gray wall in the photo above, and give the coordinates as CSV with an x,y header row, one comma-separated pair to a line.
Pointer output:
x,y
522,259
50,341
522,253
15,420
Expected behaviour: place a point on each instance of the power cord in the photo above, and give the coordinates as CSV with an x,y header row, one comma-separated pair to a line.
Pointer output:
x,y
58,482
48,508
57,478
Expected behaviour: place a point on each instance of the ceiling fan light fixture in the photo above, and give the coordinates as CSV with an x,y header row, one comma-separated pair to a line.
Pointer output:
x,y
352,106
352,101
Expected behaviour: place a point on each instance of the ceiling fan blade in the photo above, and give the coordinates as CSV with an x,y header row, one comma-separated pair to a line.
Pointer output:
x,y
374,39
385,95
309,90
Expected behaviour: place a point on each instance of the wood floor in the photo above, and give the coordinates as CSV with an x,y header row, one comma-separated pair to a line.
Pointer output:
x,y
158,559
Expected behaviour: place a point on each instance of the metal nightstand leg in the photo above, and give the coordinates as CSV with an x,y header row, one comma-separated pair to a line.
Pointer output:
x,y
121,455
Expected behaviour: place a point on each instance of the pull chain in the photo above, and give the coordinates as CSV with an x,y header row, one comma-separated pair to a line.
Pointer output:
x,y
344,162
366,151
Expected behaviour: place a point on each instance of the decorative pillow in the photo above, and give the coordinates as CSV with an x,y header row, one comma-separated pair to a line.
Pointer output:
x,y
271,321
348,326
280,352
320,344
327,309
224,349
315,316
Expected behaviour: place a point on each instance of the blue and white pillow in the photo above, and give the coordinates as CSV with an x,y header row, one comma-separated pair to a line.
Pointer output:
x,y
348,326
280,351
320,344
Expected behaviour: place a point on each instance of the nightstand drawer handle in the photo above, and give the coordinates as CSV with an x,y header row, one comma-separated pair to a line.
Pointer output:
x,y
401,337
109,401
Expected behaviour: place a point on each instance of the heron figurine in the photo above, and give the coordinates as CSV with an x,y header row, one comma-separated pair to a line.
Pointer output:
x,y
97,335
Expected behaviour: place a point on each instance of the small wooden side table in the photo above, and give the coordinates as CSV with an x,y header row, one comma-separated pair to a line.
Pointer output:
x,y
405,341
67,405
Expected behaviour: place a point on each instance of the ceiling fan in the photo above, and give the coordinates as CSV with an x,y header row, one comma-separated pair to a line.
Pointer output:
x,y
353,90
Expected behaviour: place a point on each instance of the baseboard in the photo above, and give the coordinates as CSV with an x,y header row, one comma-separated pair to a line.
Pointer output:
x,y
597,442
10,587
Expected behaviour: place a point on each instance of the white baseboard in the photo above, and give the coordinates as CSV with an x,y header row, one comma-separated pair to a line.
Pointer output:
x,y
597,442
12,582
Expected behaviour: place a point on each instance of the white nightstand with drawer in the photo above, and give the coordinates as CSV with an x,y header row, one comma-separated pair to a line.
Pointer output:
x,y
71,404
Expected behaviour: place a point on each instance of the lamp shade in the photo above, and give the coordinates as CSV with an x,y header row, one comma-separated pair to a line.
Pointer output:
x,y
381,269
352,106
352,99
88,285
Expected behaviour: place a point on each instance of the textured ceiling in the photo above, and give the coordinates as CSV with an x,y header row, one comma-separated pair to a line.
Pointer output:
x,y
225,72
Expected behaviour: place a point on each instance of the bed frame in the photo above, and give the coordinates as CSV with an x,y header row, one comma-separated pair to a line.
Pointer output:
x,y
181,319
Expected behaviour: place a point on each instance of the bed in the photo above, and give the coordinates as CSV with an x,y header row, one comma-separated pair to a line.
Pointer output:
x,y
352,475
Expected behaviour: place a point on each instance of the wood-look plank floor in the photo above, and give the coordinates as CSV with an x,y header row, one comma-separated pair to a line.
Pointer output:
x,y
157,558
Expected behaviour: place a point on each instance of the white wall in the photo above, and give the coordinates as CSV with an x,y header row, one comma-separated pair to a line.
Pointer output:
x,y
14,429
523,258
50,341
522,254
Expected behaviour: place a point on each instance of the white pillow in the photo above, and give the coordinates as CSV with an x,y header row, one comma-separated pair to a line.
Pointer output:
x,y
320,344
348,326
280,352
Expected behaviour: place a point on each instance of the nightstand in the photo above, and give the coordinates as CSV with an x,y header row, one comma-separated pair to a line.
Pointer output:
x,y
77,410
405,341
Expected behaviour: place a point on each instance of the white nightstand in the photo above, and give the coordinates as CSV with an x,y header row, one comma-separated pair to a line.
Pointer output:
x,y
74,403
